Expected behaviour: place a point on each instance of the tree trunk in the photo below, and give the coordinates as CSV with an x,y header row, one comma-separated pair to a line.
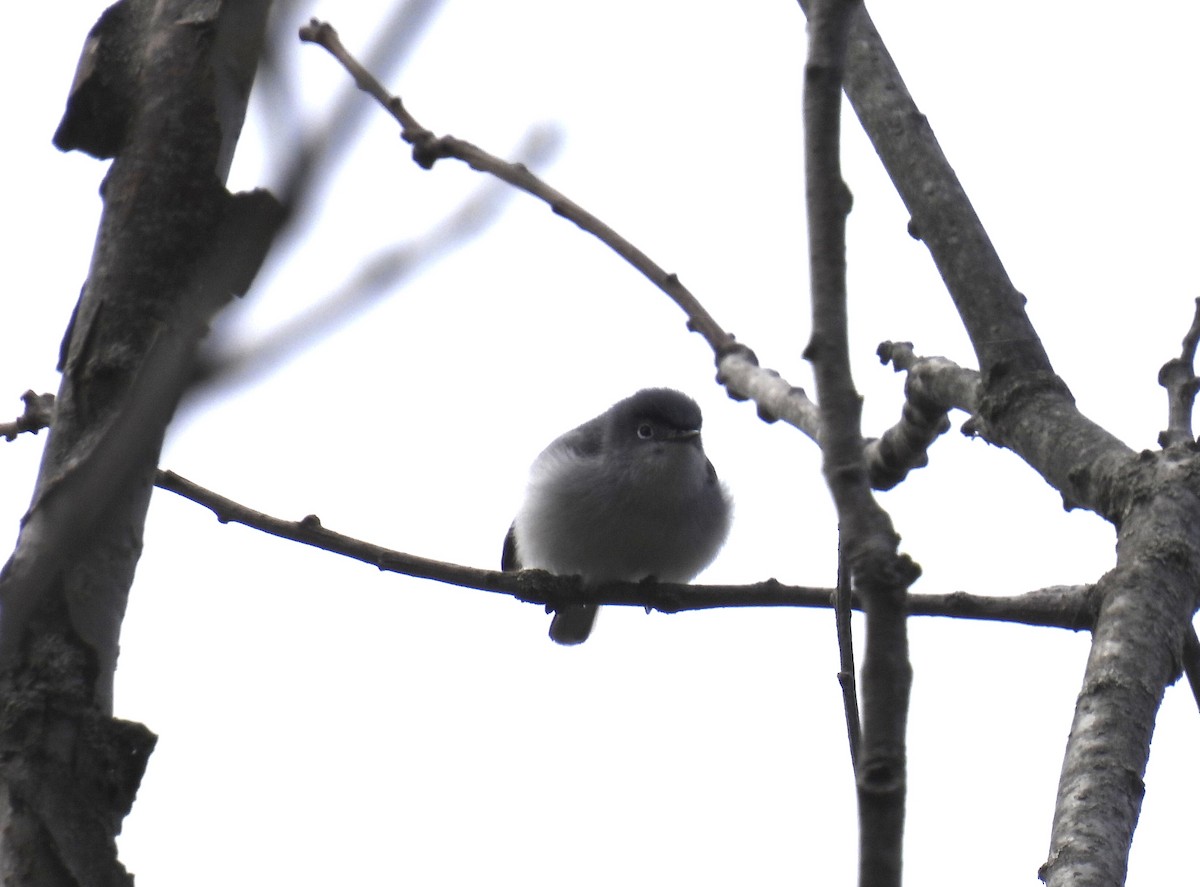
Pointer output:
x,y
162,88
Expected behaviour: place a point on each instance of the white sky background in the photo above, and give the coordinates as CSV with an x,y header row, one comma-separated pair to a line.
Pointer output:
x,y
324,723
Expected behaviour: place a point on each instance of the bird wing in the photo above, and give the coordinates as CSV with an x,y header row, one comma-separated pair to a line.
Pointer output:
x,y
509,559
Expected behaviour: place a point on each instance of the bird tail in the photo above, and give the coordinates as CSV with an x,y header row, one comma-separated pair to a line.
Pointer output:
x,y
572,625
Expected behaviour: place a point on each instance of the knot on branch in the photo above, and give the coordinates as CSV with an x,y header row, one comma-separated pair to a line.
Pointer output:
x,y
731,348
427,148
881,774
899,354
932,388
879,570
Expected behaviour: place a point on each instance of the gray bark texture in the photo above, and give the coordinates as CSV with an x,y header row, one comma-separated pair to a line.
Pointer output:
x,y
161,88
1146,602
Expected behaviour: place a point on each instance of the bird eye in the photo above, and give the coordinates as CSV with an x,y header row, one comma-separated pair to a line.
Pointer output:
x,y
645,431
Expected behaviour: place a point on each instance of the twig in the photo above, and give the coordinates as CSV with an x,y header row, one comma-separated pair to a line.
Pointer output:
x,y
1178,376
1065,606
393,43
934,379
429,148
932,388
39,412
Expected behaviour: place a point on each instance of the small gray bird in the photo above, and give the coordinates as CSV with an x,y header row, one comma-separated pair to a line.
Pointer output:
x,y
625,496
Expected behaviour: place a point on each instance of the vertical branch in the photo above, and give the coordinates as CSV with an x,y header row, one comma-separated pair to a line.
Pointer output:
x,y
870,543
162,88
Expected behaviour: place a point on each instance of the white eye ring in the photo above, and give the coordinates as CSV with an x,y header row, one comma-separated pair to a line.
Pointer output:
x,y
645,431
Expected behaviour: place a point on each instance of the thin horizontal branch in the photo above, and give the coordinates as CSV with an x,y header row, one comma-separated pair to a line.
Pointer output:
x,y
1061,606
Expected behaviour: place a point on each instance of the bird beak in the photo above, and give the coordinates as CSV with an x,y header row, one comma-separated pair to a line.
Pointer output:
x,y
685,435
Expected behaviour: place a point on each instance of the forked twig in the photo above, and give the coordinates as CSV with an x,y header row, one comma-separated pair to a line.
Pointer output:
x,y
38,414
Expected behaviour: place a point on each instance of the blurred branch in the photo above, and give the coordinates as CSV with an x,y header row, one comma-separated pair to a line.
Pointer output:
x,y
309,161
1061,606
39,411
1178,376
376,277
393,42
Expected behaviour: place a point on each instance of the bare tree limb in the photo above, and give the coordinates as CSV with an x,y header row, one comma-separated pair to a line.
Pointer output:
x,y
992,310
1023,405
1147,601
869,543
1061,606
1070,607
